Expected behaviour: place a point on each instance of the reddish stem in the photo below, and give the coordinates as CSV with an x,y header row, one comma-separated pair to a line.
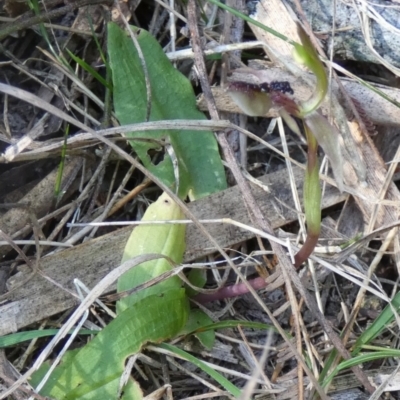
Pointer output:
x,y
231,291
308,247
257,283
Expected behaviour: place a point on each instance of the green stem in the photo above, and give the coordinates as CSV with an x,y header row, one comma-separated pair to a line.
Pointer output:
x,y
312,199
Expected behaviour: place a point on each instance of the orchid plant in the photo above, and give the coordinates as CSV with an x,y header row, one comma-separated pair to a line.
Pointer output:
x,y
255,99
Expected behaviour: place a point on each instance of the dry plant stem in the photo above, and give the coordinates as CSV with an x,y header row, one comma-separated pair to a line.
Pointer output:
x,y
97,184
258,364
193,375
41,198
108,205
295,314
27,392
258,369
181,124
73,206
106,212
132,194
255,211
10,241
287,267
37,19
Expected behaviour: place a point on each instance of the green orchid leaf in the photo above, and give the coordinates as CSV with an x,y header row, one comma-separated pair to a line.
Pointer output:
x,y
94,371
199,163
168,240
197,277
152,315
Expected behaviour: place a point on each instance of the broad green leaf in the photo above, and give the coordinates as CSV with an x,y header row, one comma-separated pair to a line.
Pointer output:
x,y
94,371
198,319
132,390
167,239
172,97
198,278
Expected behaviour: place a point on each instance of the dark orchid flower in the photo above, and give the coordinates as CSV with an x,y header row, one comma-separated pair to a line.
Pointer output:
x,y
257,97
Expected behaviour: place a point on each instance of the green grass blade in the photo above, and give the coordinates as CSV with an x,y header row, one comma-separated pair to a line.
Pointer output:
x,y
89,69
374,330
20,337
34,5
200,364
96,40
360,359
378,326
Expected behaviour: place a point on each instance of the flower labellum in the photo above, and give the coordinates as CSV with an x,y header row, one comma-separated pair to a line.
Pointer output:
x,y
254,100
